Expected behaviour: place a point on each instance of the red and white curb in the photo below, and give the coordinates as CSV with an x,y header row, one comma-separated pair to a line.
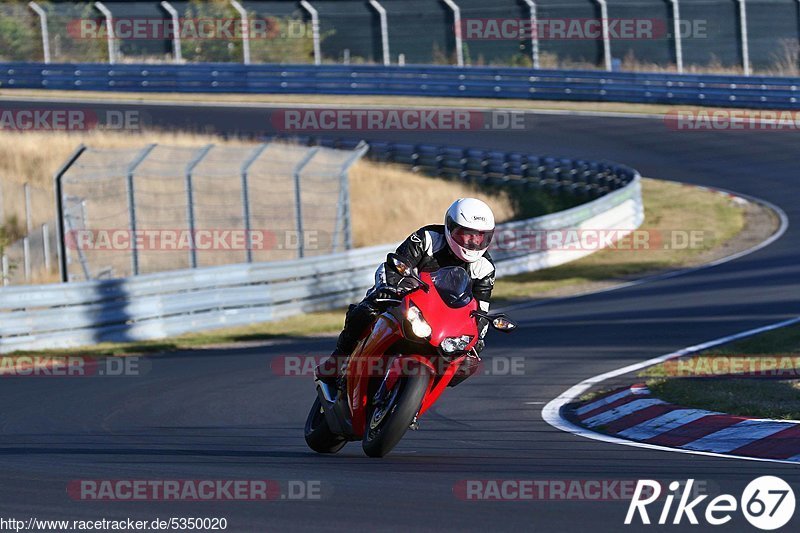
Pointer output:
x,y
632,413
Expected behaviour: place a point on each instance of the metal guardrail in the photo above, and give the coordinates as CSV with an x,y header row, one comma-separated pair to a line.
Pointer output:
x,y
166,304
443,81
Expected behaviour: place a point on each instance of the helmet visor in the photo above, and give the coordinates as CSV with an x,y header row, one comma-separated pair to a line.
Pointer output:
x,y
471,239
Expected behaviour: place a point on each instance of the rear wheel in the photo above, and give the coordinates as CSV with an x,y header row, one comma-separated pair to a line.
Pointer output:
x,y
390,420
319,436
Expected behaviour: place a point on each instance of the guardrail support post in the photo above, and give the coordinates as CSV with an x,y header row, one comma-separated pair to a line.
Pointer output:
x,y
314,29
534,17
132,204
384,30
45,31
457,31
177,50
246,197
606,36
245,30
112,47
677,37
190,200
298,199
745,37
60,233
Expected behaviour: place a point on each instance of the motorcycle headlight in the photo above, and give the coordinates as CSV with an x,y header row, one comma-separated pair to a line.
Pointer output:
x,y
419,327
456,344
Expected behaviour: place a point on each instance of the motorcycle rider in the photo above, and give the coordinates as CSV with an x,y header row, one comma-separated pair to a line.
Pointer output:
x,y
462,241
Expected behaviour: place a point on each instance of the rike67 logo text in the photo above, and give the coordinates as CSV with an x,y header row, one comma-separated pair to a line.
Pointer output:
x,y
767,503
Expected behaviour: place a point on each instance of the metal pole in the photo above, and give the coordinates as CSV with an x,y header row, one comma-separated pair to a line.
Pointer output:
x,y
132,204
343,211
246,197
112,49
26,189
676,29
606,37
177,50
6,279
534,33
26,257
190,200
457,31
46,246
314,29
744,37
245,30
298,199
60,233
384,30
45,32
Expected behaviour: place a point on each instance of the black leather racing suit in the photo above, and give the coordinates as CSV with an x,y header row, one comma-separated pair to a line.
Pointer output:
x,y
428,251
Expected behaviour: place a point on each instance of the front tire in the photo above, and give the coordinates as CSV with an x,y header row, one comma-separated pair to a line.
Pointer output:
x,y
388,423
319,436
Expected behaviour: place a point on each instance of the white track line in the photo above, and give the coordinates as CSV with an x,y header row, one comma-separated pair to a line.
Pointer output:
x,y
551,413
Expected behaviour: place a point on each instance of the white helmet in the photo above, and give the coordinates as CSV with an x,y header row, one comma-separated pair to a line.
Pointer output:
x,y
469,228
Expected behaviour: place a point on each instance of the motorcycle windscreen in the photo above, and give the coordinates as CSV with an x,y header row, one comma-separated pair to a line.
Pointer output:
x,y
453,285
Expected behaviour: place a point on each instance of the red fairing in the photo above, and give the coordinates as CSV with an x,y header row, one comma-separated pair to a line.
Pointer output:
x,y
444,321
387,330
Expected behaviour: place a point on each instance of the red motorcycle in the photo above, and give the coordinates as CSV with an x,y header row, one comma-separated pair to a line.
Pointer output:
x,y
403,363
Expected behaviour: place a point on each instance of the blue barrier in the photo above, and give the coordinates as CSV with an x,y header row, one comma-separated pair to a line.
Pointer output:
x,y
443,81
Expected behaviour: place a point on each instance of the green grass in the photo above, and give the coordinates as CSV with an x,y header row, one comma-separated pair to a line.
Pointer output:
x,y
763,397
668,206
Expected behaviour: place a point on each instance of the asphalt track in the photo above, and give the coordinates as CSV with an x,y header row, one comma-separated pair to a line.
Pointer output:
x,y
224,414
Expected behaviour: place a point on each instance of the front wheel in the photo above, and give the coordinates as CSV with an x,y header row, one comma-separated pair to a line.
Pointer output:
x,y
390,420
319,436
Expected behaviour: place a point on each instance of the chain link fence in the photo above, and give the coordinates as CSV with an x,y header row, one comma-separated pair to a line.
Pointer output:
x,y
156,208
713,33
27,233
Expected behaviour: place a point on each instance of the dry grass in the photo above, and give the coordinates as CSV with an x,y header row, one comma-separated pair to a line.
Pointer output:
x,y
749,377
389,202
669,207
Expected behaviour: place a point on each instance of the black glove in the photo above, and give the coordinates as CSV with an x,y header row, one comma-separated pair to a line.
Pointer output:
x,y
479,346
384,292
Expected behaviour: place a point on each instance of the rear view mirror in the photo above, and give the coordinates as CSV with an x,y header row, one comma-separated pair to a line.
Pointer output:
x,y
402,268
503,323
